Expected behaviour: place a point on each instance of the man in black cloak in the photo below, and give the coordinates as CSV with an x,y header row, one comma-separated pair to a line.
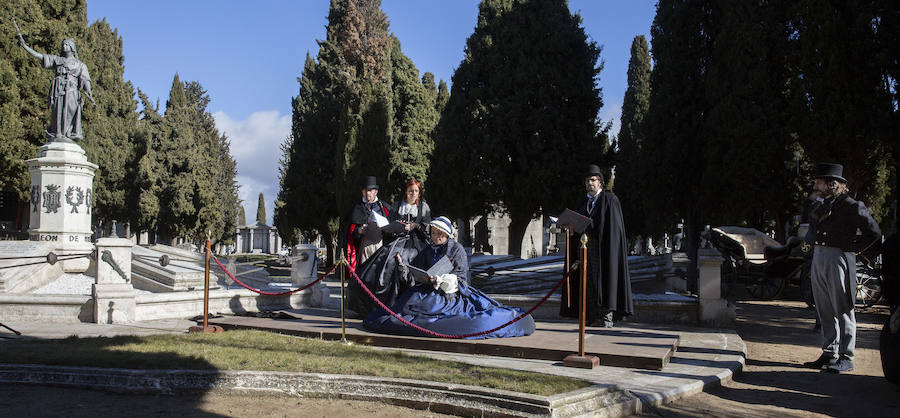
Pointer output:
x,y
608,280
355,241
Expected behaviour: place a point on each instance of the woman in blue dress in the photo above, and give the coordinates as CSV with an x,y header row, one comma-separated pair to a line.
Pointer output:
x,y
445,303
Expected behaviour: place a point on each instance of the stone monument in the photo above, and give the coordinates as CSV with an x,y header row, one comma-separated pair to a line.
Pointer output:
x,y
61,176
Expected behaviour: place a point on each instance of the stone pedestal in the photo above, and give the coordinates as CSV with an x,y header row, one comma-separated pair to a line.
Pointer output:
x,y
304,270
114,298
61,201
713,309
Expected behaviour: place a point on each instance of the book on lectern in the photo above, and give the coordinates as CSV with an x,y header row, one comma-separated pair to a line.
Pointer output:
x,y
573,221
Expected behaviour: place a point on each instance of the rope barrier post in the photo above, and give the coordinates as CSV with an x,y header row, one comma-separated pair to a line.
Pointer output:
x,y
206,329
580,360
343,264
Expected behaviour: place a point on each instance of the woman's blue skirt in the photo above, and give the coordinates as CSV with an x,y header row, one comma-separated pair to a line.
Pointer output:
x,y
468,311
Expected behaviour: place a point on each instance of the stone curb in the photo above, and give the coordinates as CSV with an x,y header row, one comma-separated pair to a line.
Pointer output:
x,y
597,400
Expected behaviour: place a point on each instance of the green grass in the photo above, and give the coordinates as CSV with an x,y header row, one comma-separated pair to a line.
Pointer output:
x,y
258,350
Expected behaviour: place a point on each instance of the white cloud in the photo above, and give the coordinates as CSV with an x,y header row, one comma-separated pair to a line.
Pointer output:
x,y
612,112
256,146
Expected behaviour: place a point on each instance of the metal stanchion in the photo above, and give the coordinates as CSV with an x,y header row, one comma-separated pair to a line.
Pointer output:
x,y
343,264
581,360
206,328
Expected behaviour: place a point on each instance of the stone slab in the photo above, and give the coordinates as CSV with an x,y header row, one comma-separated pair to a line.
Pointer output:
x,y
619,347
445,398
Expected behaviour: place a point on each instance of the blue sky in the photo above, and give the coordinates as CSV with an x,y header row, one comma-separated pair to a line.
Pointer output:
x,y
248,56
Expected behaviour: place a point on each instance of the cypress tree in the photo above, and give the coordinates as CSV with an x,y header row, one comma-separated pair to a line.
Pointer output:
x,y
186,175
361,110
631,172
110,129
751,89
306,201
850,111
261,210
150,169
522,113
414,121
24,83
227,189
683,37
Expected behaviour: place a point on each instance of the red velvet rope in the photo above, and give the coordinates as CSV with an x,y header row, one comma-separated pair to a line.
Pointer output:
x,y
439,335
262,292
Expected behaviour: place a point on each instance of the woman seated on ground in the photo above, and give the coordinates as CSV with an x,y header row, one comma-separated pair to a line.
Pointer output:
x,y
445,303
379,272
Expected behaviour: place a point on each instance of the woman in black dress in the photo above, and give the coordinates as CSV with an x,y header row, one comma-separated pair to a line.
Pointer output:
x,y
409,217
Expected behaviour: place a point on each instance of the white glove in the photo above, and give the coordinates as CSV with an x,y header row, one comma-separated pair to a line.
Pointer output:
x,y
449,283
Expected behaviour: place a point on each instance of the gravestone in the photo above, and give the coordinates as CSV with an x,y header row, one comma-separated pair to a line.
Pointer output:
x,y
114,297
304,269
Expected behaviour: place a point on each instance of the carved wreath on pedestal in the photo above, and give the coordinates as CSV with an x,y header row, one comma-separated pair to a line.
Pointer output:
x,y
74,197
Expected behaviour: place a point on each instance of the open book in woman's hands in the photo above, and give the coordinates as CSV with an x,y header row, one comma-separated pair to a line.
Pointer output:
x,y
443,266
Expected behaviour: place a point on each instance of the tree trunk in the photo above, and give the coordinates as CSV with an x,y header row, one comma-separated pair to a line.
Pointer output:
x,y
517,225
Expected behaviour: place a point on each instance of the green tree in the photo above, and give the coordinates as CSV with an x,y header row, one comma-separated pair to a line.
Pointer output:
x,y
261,209
306,202
186,176
110,129
150,169
24,83
415,118
850,110
521,115
683,37
749,81
361,110
631,171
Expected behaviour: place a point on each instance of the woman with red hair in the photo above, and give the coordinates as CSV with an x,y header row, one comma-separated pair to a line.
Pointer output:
x,y
411,209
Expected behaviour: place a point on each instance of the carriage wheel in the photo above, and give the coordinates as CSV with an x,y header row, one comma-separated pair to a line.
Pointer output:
x,y
765,288
868,285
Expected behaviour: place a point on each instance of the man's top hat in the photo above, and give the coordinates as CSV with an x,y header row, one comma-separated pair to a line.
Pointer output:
x,y
594,170
370,183
829,171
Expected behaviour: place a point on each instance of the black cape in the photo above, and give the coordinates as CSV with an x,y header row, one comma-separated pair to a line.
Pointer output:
x,y
608,279
348,236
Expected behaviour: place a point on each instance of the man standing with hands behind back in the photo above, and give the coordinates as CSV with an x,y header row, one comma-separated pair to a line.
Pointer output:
x,y
833,233
608,279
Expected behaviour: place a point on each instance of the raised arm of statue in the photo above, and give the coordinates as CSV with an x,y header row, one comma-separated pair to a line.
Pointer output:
x,y
30,51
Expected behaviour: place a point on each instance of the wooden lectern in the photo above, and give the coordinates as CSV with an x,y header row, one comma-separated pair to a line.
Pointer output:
x,y
573,222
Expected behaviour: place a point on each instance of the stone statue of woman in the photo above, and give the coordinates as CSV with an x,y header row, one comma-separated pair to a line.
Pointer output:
x,y
65,97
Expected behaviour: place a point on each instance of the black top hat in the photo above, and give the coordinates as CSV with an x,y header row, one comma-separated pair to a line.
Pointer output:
x,y
832,171
370,183
594,170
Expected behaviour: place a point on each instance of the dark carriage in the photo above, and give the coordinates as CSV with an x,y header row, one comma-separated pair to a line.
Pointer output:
x,y
766,267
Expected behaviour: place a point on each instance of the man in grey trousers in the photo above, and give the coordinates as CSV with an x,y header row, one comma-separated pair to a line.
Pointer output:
x,y
840,228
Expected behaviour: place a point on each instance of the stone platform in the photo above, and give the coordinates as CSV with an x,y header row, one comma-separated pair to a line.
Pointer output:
x,y
636,348
705,357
